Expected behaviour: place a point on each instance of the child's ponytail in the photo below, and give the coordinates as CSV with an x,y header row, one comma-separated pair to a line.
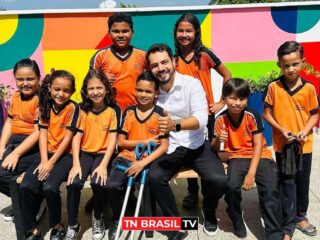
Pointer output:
x,y
45,100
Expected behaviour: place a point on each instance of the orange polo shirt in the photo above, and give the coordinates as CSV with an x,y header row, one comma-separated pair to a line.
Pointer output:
x,y
24,114
96,128
126,71
208,60
135,129
66,118
240,134
291,110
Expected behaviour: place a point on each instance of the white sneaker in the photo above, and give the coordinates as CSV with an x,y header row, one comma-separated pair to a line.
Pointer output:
x,y
8,216
42,209
72,233
98,229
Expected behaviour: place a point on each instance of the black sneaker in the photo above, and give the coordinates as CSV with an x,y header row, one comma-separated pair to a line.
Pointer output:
x,y
113,230
58,234
239,227
73,232
8,216
210,224
98,229
31,236
176,235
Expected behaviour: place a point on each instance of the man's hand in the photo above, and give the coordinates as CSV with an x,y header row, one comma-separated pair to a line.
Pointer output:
x,y
166,124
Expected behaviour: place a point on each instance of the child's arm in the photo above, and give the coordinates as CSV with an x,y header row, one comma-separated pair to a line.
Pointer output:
x,y
76,167
312,121
5,136
101,170
257,150
46,167
12,159
268,116
138,166
124,143
226,74
216,141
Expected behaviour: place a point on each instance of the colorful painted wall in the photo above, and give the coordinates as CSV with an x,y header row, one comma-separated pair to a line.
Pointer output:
x,y
246,39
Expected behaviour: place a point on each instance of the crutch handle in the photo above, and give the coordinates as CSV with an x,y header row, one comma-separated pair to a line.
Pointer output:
x,y
151,147
139,151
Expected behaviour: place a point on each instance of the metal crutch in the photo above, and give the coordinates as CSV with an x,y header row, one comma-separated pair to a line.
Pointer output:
x,y
138,152
151,147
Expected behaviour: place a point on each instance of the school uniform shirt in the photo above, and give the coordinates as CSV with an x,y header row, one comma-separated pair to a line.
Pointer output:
x,y
67,118
96,127
240,134
24,114
126,71
186,98
208,60
136,129
291,110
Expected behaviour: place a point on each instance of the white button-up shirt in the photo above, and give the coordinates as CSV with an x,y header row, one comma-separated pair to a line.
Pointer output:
x,y
185,99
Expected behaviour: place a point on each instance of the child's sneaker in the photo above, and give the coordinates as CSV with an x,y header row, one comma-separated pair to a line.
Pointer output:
x,y
58,234
98,229
239,227
73,232
8,216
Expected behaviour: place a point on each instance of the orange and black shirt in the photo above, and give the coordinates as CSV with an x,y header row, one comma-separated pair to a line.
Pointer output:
x,y
291,110
240,134
126,71
24,113
135,129
67,118
96,127
208,60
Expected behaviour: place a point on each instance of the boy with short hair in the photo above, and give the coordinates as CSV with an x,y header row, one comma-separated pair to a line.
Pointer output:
x,y
240,129
291,108
121,62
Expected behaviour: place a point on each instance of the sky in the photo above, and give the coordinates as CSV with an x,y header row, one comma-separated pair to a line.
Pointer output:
x,y
71,4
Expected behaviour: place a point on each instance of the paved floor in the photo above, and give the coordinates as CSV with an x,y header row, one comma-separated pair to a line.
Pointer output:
x,y
250,207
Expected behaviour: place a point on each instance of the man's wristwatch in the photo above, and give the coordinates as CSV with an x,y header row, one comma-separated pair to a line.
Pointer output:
x,y
177,126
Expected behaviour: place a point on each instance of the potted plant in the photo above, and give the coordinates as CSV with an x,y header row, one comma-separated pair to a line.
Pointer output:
x,y
258,86
5,94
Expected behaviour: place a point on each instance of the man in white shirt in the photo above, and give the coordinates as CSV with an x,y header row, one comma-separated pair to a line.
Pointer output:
x,y
184,100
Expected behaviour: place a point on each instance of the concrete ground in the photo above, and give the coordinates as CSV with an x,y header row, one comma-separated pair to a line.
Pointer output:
x,y
249,204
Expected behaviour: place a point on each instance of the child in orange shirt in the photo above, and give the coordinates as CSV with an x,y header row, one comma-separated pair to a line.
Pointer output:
x,y
240,129
59,118
291,108
194,59
92,147
139,125
121,62
18,147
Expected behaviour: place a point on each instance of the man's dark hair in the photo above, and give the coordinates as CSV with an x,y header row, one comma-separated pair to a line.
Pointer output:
x,y
159,47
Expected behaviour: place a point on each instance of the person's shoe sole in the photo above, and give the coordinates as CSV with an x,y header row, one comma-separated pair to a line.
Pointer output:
x,y
210,233
7,218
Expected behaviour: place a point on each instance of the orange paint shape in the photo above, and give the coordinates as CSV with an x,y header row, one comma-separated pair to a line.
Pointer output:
x,y
74,31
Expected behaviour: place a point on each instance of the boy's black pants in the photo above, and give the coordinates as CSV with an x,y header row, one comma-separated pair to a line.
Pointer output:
x,y
24,162
269,196
294,194
31,189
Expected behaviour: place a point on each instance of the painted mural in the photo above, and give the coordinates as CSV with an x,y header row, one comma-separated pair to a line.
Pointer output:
x,y
246,39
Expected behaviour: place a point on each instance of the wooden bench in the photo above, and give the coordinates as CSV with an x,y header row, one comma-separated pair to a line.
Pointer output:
x,y
149,209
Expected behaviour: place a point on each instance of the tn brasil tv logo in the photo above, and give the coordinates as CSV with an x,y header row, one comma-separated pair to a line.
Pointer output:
x,y
159,223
